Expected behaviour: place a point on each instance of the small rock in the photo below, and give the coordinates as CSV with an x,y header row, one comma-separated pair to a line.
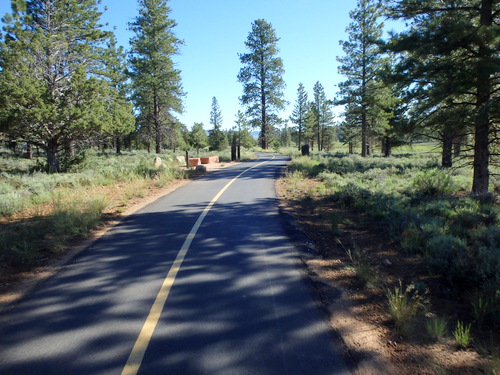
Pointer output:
x,y
201,168
157,162
387,262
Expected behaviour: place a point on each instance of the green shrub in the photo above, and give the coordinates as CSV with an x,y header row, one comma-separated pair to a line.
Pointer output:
x,y
404,304
433,183
436,207
448,255
331,180
436,327
412,200
480,307
462,335
351,195
12,202
365,271
335,221
309,166
412,240
75,218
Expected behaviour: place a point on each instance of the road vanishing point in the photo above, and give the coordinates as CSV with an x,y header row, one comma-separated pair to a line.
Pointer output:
x,y
204,280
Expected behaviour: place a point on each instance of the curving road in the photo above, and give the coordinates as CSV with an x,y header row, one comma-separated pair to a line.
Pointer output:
x,y
202,281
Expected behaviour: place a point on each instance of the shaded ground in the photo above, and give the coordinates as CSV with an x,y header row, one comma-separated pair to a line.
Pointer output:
x,y
362,317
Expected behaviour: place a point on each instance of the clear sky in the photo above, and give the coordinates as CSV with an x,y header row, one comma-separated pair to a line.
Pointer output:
x,y
214,32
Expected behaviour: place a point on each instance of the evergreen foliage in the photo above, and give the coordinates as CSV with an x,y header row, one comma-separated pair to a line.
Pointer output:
x,y
198,137
322,117
361,65
300,113
157,89
450,63
243,129
55,86
216,138
262,78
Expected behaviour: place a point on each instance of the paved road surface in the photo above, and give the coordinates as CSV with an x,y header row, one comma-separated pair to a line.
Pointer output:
x,y
234,301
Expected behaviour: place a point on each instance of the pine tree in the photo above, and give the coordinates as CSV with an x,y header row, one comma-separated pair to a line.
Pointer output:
x,y
310,126
216,137
156,83
450,63
244,133
299,114
361,65
198,137
349,128
322,115
54,86
122,110
262,78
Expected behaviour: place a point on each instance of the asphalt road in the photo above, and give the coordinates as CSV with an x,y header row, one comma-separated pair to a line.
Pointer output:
x,y
202,281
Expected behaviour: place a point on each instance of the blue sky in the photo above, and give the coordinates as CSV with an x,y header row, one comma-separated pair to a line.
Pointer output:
x,y
214,32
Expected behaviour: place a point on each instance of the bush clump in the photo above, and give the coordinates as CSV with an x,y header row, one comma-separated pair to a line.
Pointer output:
x,y
424,207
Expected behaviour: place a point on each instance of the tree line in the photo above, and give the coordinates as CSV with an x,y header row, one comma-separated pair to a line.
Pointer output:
x,y
438,79
64,83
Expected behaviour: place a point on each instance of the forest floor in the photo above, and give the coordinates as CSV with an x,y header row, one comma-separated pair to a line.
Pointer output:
x,y
360,313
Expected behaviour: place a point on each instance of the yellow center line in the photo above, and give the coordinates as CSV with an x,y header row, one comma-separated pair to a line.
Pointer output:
x,y
137,354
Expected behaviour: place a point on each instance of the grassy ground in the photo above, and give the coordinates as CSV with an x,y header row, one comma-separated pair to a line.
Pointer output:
x,y
40,213
423,250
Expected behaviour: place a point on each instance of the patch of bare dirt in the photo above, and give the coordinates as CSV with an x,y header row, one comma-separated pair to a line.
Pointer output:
x,y
361,316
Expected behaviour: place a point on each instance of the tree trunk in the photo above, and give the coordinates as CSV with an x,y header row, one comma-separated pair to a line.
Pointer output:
x,y
118,145
264,121
457,146
13,146
482,122
70,149
319,137
446,157
29,151
53,164
387,147
233,148
158,139
157,124
364,141
300,137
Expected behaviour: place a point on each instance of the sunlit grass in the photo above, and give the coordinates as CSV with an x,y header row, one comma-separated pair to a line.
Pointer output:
x,y
426,209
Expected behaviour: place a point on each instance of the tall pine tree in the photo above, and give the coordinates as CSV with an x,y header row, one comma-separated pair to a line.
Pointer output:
x,y
299,114
55,87
361,65
156,83
216,138
451,64
262,78
322,115
116,72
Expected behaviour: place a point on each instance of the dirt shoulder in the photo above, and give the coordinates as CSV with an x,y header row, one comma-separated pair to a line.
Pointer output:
x,y
359,313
